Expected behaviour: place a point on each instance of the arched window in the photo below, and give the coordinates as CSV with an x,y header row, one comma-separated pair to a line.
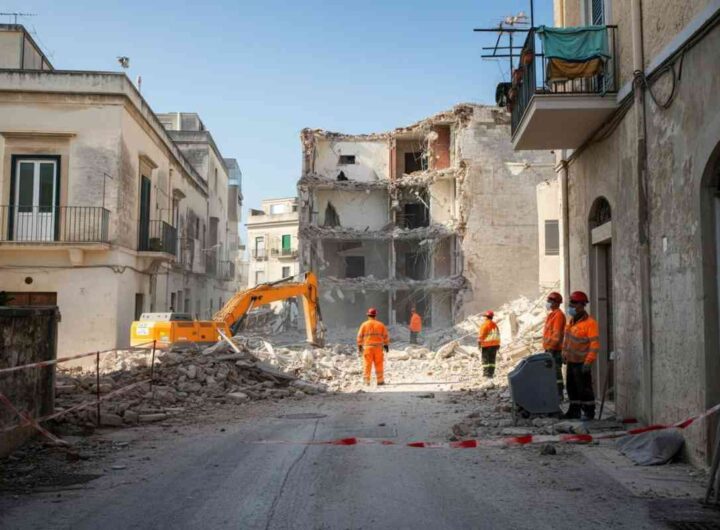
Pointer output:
x,y
600,212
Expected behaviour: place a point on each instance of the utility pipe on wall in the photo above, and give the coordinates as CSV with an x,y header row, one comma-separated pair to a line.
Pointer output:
x,y
643,207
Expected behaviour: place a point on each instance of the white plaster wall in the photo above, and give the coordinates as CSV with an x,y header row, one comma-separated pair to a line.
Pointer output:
x,y
356,209
10,49
442,201
372,159
548,205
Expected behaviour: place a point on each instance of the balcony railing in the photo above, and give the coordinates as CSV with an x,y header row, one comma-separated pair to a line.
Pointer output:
x,y
54,224
161,237
530,78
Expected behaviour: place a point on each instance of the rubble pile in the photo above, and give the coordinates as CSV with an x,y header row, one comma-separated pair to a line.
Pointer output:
x,y
182,379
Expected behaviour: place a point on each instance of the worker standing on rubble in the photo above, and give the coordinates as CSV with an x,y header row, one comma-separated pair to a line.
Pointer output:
x,y
581,345
489,343
415,325
553,335
372,339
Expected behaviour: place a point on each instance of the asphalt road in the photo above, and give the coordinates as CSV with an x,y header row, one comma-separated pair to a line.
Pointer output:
x,y
208,478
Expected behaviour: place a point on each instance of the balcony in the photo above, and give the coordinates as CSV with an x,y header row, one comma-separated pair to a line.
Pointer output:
x,y
560,113
259,254
158,236
285,253
54,225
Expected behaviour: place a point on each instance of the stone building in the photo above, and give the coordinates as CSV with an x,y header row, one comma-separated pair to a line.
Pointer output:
x,y
272,234
638,162
440,215
93,194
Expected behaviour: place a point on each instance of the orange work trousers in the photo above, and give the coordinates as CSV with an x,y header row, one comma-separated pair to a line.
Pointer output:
x,y
373,355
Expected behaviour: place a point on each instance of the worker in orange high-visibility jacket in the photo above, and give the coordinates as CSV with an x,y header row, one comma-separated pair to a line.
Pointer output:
x,y
415,325
553,335
489,343
372,339
581,346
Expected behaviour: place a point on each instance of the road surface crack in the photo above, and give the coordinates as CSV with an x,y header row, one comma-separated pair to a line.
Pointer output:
x,y
276,500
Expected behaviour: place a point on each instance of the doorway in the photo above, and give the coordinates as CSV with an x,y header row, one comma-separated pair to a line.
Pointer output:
x,y
601,295
144,225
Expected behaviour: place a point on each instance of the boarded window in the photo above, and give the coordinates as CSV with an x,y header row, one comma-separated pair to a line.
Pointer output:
x,y
552,237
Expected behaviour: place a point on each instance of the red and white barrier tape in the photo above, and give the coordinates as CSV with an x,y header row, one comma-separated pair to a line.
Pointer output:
x,y
506,441
43,364
80,406
28,421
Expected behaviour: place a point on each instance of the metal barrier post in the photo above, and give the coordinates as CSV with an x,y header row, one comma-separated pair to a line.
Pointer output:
x,y
152,367
97,384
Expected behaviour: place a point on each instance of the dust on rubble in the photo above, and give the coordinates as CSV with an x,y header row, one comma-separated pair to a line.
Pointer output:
x,y
188,379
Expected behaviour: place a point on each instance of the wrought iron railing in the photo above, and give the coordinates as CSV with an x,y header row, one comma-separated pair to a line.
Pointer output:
x,y
226,270
160,237
531,77
54,224
259,254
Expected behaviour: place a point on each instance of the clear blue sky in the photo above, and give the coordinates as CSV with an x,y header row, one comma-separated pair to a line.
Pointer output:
x,y
259,71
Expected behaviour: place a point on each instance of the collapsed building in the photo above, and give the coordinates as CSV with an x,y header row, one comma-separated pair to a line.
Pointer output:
x,y
440,215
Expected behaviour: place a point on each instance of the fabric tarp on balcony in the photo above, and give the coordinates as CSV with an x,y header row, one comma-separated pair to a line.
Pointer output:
x,y
575,52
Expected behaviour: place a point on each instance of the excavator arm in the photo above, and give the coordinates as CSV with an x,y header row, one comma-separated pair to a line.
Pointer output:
x,y
240,304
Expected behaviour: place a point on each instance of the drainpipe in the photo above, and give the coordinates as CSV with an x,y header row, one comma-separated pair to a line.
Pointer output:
x,y
563,181
643,208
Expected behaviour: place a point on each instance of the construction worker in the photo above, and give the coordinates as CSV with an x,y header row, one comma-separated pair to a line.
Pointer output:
x,y
372,339
489,343
581,345
415,325
553,334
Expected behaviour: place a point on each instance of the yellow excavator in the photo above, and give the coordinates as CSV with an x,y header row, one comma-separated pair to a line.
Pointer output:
x,y
167,329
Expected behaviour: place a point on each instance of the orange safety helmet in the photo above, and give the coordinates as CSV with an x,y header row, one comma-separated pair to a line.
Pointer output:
x,y
555,297
579,297
372,312
489,313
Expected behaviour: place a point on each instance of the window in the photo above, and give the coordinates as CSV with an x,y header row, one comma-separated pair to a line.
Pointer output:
x,y
346,160
286,272
286,244
215,180
259,252
595,12
259,277
172,302
415,162
278,208
552,237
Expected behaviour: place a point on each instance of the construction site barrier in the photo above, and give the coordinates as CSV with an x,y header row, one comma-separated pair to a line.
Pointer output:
x,y
27,421
504,441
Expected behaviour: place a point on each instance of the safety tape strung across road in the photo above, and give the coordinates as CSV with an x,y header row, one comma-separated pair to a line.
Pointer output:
x,y
506,441
75,408
43,364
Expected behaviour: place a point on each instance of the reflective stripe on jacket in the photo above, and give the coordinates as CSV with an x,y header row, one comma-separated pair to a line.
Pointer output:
x,y
415,323
554,331
489,334
582,340
372,333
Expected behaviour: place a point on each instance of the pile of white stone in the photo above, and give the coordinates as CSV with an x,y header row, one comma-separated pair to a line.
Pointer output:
x,y
182,379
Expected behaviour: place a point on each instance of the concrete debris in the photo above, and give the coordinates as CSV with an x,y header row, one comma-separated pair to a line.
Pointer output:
x,y
184,378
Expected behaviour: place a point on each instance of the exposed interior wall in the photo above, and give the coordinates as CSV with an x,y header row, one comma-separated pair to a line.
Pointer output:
x,y
371,159
347,309
360,210
410,155
343,259
443,201
442,309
